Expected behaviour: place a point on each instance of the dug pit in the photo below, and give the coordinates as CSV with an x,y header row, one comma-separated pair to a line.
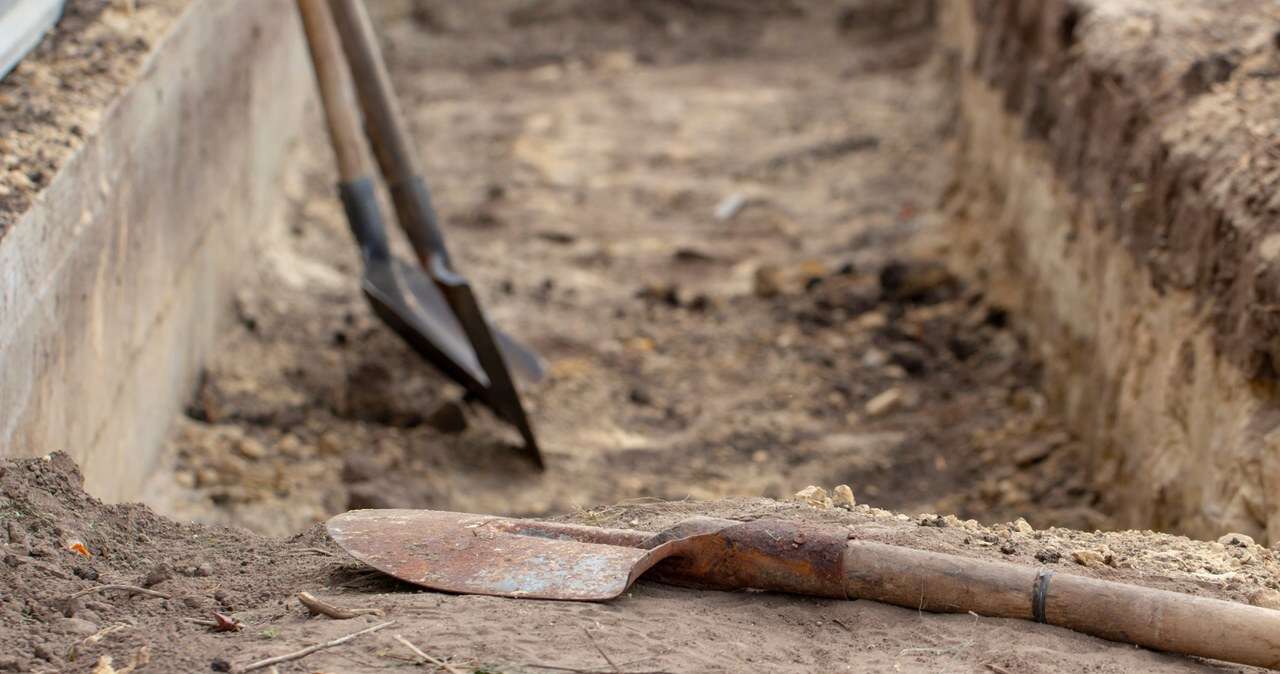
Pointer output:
x,y
687,214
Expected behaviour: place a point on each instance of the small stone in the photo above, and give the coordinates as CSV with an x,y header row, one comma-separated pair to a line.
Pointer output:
x,y
157,575
250,449
43,652
873,320
1048,556
1007,548
639,344
916,281
1022,526
448,418
813,496
220,665
1238,540
203,570
767,282
77,626
661,293
639,396
70,607
17,535
842,496
730,206
1086,557
884,403
874,357
1266,598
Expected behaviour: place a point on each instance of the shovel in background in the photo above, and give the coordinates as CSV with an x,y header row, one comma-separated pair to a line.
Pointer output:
x,y
479,554
438,316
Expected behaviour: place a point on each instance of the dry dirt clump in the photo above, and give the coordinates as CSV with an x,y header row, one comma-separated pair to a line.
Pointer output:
x,y
56,96
56,542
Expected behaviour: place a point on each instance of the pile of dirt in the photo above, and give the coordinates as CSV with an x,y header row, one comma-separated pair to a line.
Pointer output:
x,y
711,248
57,542
55,97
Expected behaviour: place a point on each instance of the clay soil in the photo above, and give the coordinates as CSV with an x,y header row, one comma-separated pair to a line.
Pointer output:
x,y
580,151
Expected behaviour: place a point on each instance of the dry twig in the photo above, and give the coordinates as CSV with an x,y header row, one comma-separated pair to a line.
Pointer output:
x,y
102,633
600,650
299,654
313,551
318,606
130,588
433,660
578,670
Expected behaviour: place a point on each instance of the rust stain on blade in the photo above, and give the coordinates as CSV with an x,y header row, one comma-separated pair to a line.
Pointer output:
x,y
481,554
478,554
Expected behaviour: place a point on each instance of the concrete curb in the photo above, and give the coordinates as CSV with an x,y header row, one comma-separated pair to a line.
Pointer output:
x,y
114,283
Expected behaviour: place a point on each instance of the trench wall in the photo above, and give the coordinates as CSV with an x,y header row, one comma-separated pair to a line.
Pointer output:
x,y
113,284
1117,166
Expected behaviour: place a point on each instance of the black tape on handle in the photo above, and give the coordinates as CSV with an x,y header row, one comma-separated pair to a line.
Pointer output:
x,y
1039,594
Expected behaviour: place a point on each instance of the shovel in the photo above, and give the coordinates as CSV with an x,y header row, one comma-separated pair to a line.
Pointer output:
x,y
437,315
479,554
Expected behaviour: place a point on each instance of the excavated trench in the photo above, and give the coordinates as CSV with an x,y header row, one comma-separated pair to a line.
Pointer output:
x,y
583,155
976,259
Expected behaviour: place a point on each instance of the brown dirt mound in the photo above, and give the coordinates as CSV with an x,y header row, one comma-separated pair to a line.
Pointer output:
x,y
653,628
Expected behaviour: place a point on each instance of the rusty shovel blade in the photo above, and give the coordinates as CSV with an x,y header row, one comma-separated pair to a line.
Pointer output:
x,y
482,554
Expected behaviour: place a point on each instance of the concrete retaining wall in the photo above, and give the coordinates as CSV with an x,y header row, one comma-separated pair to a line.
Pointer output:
x,y
1117,186
114,283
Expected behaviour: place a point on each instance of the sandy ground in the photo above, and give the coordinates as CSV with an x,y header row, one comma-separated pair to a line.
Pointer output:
x,y
579,152
201,570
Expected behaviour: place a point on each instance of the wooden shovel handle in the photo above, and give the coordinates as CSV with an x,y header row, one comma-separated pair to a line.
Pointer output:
x,y
336,92
386,127
785,556
1158,619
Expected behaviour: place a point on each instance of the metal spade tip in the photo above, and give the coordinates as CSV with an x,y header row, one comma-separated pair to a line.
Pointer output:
x,y
481,554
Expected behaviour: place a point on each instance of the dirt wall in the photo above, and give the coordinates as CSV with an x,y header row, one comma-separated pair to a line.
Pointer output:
x,y
1115,160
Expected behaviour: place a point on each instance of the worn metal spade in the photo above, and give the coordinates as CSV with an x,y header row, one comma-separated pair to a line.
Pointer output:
x,y
436,312
480,554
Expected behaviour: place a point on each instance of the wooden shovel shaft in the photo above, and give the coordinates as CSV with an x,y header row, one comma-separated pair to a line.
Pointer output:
x,y
336,92
1157,619
804,559
386,126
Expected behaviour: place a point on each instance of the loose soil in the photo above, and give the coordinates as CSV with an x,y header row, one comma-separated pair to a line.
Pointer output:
x,y
579,153
204,570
